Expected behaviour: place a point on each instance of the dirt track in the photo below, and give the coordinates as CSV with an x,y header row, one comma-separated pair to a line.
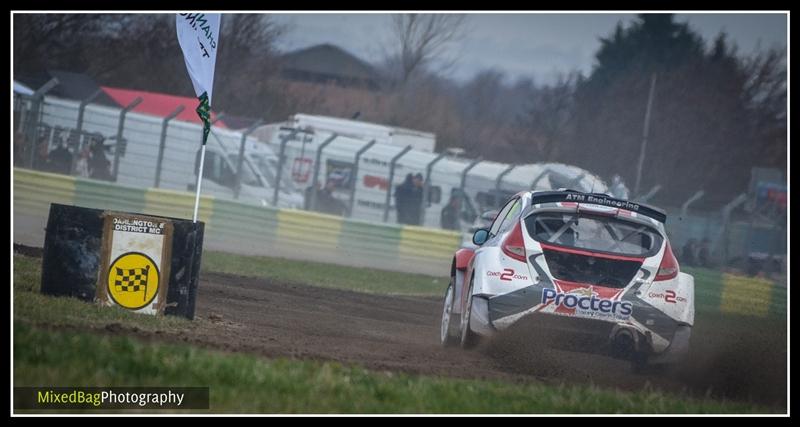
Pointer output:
x,y
401,334
395,333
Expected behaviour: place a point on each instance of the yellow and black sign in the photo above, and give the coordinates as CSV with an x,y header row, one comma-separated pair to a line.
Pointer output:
x,y
133,280
136,253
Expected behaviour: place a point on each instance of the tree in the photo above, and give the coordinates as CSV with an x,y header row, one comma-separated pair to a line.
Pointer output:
x,y
480,105
246,62
141,51
419,40
548,121
707,129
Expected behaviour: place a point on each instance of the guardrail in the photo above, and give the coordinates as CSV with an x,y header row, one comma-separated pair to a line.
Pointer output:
x,y
237,227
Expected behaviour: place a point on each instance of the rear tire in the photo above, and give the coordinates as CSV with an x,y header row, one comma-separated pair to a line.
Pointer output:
x,y
469,339
448,333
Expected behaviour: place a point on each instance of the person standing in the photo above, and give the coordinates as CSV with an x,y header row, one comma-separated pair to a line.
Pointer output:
x,y
61,160
309,194
415,200
99,165
450,213
402,199
689,250
327,203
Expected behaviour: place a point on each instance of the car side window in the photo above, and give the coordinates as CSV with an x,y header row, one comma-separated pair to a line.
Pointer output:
x,y
511,217
498,222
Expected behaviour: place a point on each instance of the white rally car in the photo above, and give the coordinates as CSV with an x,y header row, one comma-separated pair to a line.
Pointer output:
x,y
578,264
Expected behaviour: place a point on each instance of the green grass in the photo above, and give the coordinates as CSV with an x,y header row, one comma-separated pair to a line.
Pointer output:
x,y
34,308
245,383
46,353
325,275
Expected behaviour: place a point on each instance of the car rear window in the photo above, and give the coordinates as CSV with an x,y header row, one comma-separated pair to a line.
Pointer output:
x,y
594,233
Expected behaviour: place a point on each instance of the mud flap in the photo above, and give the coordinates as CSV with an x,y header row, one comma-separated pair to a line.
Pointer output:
x,y
479,319
678,348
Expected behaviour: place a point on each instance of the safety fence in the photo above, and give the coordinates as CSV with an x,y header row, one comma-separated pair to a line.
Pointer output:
x,y
255,230
248,229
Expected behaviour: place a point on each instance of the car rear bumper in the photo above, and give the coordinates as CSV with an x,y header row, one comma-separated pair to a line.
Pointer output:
x,y
578,333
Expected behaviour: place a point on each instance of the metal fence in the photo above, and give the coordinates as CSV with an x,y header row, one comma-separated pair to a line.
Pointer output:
x,y
118,145
122,146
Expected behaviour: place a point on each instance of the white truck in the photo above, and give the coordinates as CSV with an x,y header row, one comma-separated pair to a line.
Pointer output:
x,y
392,135
364,181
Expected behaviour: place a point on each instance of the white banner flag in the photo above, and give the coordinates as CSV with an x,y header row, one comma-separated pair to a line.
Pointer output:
x,y
198,35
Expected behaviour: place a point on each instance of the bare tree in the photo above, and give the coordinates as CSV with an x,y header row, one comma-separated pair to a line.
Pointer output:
x,y
480,104
548,120
419,40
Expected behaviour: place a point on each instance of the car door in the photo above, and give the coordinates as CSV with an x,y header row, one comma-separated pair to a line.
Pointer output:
x,y
499,226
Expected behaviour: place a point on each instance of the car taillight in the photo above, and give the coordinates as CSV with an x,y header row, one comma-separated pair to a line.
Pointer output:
x,y
669,265
514,244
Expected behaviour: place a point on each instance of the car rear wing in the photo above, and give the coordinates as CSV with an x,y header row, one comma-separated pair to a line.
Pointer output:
x,y
598,199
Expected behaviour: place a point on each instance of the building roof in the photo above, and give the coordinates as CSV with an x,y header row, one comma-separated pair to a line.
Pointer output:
x,y
159,104
328,62
76,86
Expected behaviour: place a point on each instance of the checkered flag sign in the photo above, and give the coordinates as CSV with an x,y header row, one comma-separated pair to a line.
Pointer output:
x,y
132,280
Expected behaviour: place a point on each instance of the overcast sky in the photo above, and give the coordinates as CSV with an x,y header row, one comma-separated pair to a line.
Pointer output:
x,y
537,45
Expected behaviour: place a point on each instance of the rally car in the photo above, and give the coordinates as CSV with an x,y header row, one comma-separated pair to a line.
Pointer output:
x,y
578,264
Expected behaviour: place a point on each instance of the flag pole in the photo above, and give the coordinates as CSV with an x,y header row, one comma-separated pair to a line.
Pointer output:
x,y
204,111
199,182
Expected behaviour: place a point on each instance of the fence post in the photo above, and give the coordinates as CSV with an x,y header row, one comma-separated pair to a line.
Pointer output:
x,y
35,116
391,178
650,193
219,117
82,109
120,128
574,181
79,125
162,144
21,102
502,175
313,204
426,188
466,171
278,172
240,159
726,216
539,177
689,201
360,151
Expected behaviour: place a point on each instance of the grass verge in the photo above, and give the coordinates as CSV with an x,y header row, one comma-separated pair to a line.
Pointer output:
x,y
325,275
245,383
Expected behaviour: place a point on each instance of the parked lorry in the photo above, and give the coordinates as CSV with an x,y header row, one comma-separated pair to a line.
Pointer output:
x,y
366,172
